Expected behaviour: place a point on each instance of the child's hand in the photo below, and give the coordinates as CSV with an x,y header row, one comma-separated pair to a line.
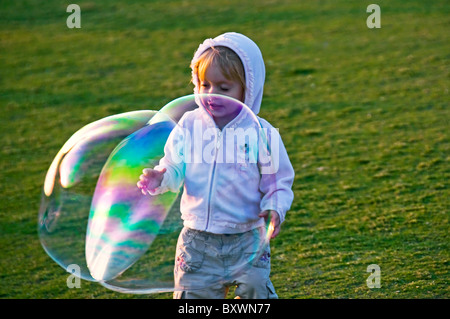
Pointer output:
x,y
274,221
150,180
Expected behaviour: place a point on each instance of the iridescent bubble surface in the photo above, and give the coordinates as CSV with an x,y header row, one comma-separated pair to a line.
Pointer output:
x,y
93,214
70,183
122,222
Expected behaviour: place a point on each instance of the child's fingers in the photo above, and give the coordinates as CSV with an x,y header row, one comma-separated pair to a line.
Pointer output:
x,y
143,182
152,172
273,230
272,214
142,187
143,179
148,172
148,181
264,214
274,226
275,218
276,231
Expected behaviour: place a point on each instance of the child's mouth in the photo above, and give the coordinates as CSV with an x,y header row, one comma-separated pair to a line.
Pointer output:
x,y
215,106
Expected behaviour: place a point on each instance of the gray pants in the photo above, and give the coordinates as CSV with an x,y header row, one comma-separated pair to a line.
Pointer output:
x,y
207,264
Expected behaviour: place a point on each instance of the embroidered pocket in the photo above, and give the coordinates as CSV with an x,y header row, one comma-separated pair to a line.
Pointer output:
x,y
189,261
263,261
258,259
190,252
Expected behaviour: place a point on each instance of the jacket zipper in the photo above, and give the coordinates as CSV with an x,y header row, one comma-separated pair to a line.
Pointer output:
x,y
212,180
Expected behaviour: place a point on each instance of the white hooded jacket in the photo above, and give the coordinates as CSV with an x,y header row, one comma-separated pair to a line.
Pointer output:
x,y
220,197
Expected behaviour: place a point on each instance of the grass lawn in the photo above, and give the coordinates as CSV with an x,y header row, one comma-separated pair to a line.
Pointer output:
x,y
364,115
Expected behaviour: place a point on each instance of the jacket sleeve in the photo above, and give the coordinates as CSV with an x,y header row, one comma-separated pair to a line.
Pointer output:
x,y
173,162
277,173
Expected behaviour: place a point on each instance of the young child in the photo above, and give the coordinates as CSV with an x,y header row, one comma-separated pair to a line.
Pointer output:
x,y
224,206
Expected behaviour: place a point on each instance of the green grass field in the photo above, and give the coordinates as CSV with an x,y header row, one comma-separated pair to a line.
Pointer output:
x,y
364,115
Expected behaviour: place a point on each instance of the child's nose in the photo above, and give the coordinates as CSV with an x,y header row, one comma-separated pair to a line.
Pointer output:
x,y
213,90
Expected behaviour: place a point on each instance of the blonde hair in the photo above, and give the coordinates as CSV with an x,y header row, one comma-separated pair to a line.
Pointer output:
x,y
226,59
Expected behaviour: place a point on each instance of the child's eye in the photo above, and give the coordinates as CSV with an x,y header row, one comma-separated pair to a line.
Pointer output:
x,y
224,89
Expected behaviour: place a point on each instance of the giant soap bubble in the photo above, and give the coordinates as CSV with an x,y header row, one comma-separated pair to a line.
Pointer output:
x,y
94,216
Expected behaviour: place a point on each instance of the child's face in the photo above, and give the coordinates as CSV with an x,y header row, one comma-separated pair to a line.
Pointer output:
x,y
216,83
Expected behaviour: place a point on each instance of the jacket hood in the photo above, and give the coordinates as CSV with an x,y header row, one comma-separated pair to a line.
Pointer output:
x,y
251,58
